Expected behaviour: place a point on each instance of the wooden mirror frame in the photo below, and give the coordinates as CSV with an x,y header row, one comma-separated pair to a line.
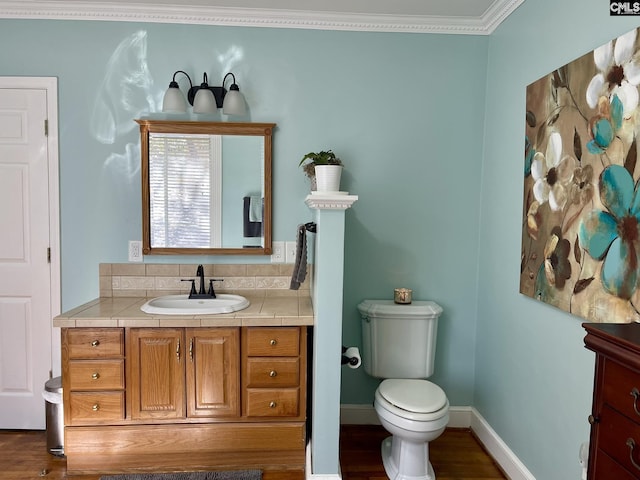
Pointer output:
x,y
264,130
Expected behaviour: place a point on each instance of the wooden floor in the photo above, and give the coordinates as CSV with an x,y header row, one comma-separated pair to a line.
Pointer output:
x,y
456,455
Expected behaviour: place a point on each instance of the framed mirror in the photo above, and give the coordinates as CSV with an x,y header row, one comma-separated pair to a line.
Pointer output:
x,y
206,187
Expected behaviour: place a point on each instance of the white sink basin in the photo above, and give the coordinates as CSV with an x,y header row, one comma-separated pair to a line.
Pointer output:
x,y
183,305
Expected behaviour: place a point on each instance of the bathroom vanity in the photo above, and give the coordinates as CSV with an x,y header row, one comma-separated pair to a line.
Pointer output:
x,y
158,393
615,419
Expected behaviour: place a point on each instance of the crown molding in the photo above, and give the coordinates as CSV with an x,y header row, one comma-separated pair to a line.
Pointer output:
x,y
123,11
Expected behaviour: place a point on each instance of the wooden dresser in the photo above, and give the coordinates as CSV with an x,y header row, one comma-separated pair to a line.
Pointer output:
x,y
614,452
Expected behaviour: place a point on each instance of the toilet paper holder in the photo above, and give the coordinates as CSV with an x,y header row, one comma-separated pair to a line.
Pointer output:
x,y
351,357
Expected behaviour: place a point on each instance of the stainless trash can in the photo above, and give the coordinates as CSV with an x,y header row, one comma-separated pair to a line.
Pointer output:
x,y
54,416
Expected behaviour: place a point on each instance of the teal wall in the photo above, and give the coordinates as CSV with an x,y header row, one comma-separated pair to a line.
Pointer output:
x,y
430,128
533,376
404,111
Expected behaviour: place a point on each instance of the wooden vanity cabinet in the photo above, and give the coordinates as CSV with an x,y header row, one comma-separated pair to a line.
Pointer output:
x,y
178,373
174,399
614,450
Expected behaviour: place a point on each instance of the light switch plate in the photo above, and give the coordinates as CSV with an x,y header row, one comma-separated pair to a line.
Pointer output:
x,y
290,252
278,252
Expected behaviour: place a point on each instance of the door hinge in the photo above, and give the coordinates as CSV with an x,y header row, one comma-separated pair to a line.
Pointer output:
x,y
46,128
49,254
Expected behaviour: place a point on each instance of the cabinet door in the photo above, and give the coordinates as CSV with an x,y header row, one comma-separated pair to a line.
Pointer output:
x,y
213,372
156,373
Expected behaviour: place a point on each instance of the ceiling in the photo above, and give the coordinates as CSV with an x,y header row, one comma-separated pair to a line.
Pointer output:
x,y
473,17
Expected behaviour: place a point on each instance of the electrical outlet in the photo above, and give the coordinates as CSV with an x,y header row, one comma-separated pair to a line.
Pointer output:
x,y
290,252
278,252
135,251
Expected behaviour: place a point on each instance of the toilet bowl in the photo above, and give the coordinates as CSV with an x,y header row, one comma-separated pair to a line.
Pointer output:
x,y
414,412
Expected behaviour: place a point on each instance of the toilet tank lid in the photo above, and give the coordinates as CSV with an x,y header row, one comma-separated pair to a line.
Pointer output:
x,y
388,308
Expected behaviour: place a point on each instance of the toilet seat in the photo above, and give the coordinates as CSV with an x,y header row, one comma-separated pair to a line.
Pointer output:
x,y
418,400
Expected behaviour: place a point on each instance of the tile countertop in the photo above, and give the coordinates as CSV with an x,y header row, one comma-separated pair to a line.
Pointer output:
x,y
264,310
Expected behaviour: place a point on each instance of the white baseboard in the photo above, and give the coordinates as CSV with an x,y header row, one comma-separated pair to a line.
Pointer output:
x,y
459,417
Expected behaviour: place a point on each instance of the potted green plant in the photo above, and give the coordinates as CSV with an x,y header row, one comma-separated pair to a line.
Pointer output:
x,y
324,169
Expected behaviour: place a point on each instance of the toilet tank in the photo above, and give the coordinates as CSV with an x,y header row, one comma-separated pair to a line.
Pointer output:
x,y
399,340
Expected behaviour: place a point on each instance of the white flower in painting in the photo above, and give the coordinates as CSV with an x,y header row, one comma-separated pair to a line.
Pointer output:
x,y
619,73
552,174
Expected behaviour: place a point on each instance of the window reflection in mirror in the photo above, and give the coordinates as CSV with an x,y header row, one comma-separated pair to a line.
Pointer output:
x,y
206,187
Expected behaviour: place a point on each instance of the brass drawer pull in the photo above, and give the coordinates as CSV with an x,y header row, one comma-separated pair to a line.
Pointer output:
x,y
273,342
95,376
273,373
272,404
95,343
635,394
95,407
632,445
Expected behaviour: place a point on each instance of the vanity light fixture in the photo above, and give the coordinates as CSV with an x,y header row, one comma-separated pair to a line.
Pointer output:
x,y
204,98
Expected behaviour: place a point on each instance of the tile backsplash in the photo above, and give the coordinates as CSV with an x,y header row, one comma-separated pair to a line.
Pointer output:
x,y
150,280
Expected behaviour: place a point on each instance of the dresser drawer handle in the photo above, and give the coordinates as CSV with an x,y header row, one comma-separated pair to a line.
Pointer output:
x,y
273,342
95,407
272,404
95,343
273,373
95,376
632,445
635,393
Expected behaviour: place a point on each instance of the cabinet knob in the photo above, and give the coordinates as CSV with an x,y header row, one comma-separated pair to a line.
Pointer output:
x,y
273,342
593,420
95,407
272,404
273,373
95,343
95,376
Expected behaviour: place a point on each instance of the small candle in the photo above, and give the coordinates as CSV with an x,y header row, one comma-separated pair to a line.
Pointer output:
x,y
402,295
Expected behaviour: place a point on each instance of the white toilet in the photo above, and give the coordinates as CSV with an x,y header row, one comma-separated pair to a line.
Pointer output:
x,y
399,345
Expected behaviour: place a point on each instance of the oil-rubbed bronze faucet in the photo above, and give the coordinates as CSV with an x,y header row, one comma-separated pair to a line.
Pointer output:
x,y
201,293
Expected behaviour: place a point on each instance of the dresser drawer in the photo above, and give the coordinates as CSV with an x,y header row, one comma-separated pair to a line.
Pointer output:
x,y
96,374
266,402
95,342
91,408
615,431
273,342
273,372
607,468
619,383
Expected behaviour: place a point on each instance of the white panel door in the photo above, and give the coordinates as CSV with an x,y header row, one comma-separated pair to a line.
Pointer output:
x,y
25,287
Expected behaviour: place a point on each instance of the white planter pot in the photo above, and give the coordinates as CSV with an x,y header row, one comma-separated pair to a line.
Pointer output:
x,y
328,178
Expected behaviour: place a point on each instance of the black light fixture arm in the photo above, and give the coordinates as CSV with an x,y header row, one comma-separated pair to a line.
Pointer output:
x,y
234,85
174,84
218,92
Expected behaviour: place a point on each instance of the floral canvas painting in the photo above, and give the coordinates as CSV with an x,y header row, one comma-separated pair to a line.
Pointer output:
x,y
581,208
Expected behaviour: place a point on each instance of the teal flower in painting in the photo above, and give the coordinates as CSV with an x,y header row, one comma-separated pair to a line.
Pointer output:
x,y
614,235
603,127
529,152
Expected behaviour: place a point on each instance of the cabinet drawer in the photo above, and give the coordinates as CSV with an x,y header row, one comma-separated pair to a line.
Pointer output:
x,y
96,374
266,402
273,372
95,342
619,383
273,342
89,408
615,431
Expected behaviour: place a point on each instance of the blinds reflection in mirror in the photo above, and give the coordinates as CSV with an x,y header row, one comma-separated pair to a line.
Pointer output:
x,y
185,190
